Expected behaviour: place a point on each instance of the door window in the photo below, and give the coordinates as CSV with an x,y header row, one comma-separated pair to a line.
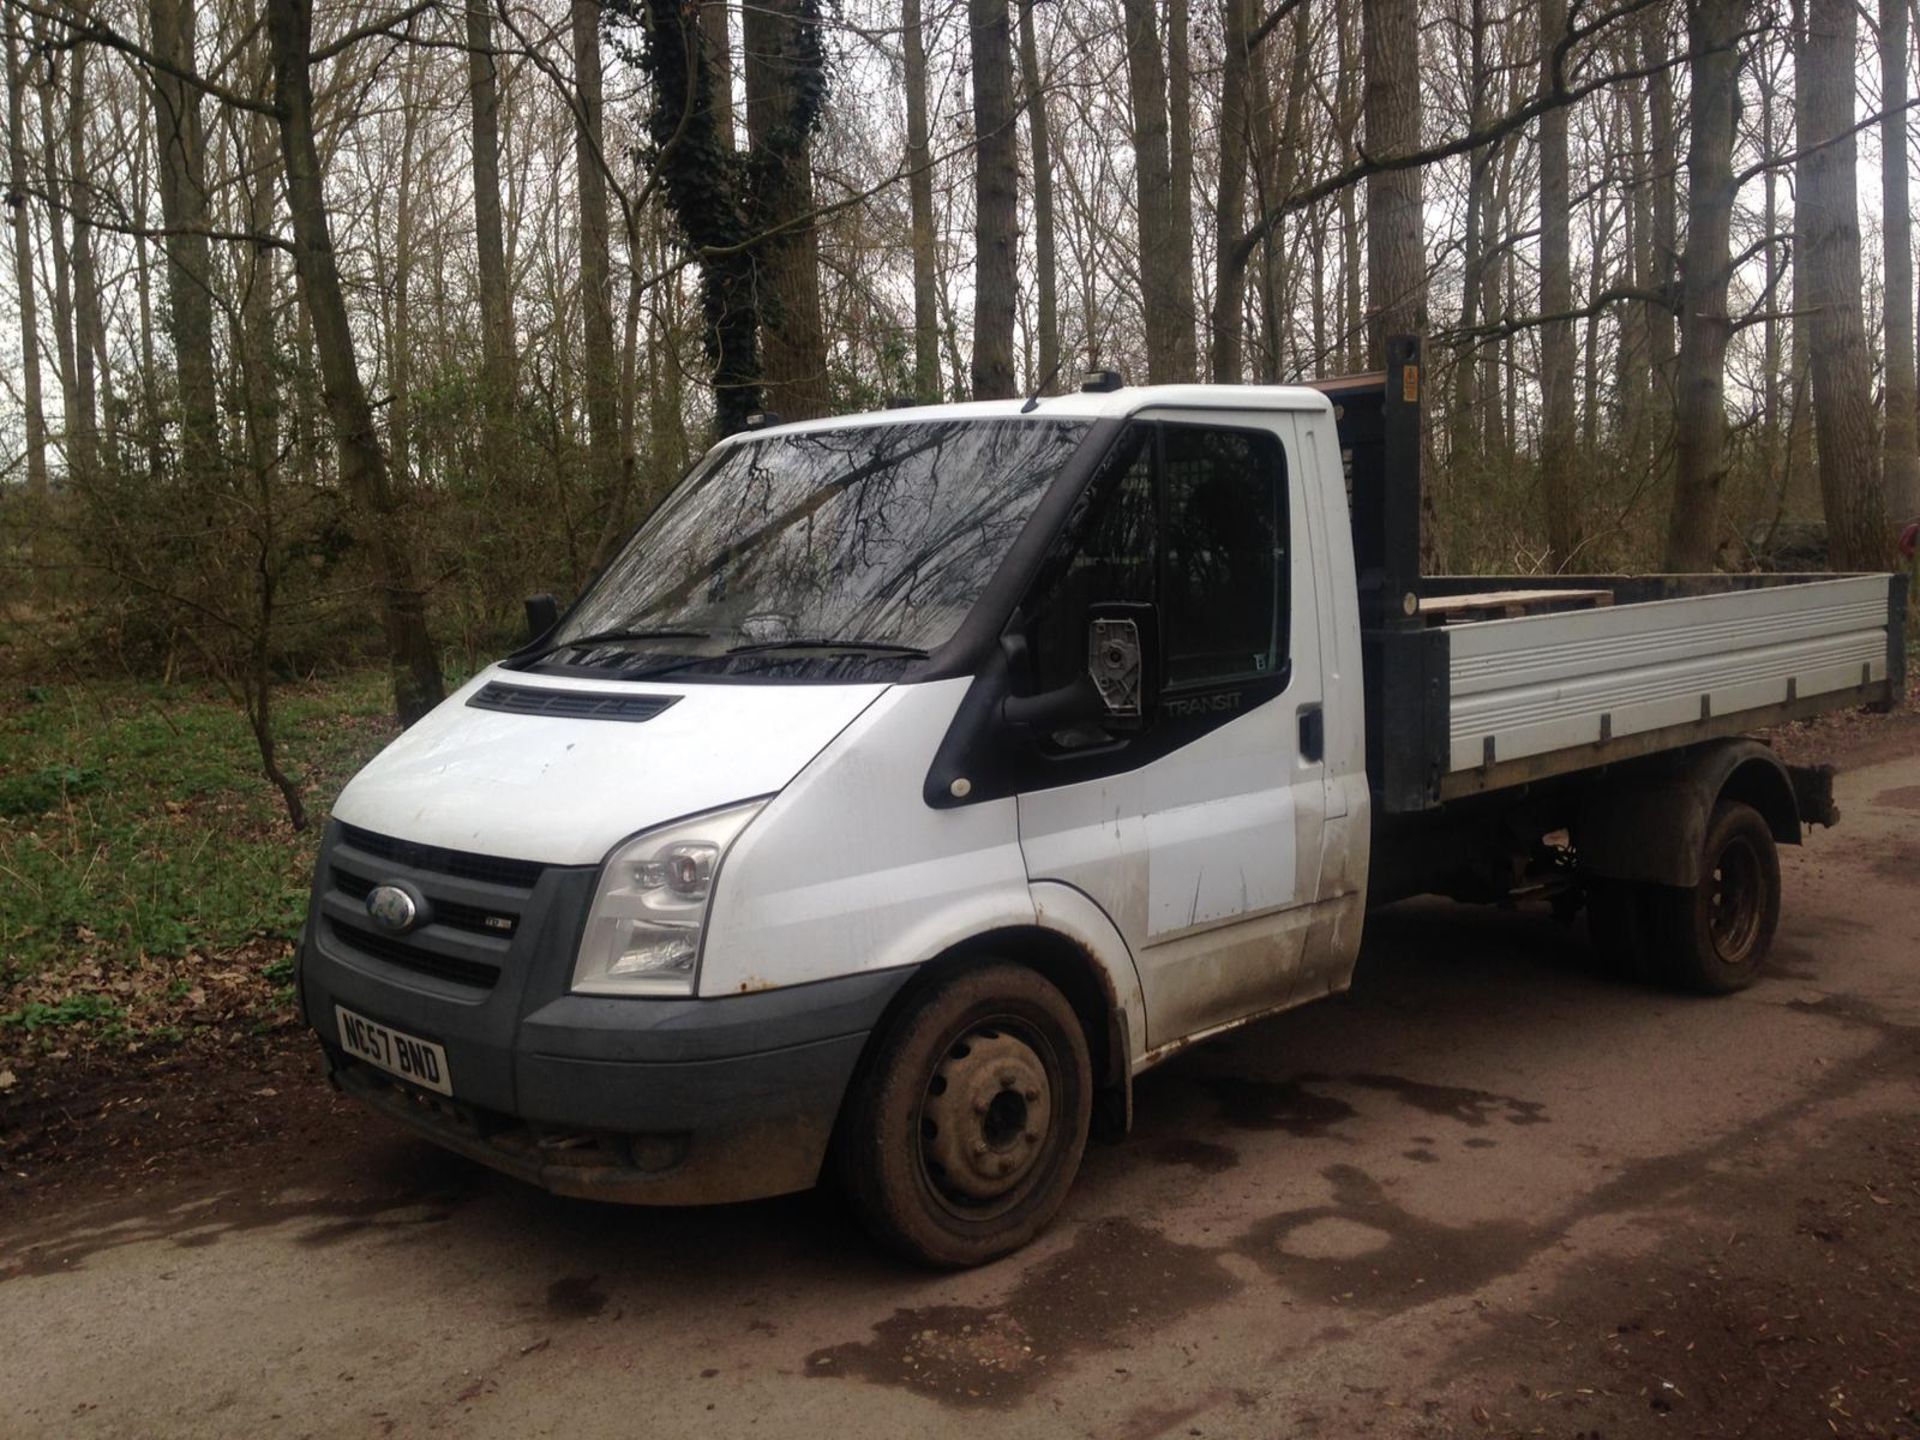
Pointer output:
x,y
1107,552
1222,597
1193,517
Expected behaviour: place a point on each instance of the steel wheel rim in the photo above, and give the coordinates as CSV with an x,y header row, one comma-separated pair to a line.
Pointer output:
x,y
1736,902
983,1144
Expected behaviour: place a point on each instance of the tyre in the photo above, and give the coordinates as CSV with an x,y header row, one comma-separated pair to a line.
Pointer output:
x,y
963,1135
1617,925
1713,937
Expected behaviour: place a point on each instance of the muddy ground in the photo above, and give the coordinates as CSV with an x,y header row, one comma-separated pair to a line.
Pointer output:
x,y
1490,1193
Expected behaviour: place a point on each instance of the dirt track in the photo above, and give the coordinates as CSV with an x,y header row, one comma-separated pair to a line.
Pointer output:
x,y
1490,1193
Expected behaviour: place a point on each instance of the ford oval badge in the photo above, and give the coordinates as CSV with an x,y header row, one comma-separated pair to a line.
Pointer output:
x,y
392,908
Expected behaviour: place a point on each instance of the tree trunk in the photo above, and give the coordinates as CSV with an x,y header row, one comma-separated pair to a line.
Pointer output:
x,y
1396,258
83,429
996,202
1180,191
1153,180
1040,139
1558,461
36,419
1700,415
786,87
414,664
601,378
1462,415
1828,221
1230,200
400,331
1348,107
1663,247
701,178
1901,463
490,254
926,311
183,210
51,134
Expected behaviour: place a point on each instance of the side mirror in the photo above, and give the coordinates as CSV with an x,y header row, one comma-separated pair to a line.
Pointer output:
x,y
543,613
1123,653
1117,690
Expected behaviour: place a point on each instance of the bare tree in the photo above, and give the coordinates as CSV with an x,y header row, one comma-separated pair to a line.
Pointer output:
x,y
1900,447
183,207
1040,142
600,372
1700,414
35,417
490,252
786,87
996,200
1396,255
1558,422
1828,224
411,657
1169,323
926,319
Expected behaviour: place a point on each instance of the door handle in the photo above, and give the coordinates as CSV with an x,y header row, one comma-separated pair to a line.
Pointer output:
x,y
1313,733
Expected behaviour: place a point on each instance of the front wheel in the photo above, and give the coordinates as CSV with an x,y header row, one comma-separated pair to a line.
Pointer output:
x,y
1713,937
961,1141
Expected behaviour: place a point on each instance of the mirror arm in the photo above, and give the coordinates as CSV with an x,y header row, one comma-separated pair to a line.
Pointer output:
x,y
1077,700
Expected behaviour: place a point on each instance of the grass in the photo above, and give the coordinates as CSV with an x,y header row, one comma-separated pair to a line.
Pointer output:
x,y
136,829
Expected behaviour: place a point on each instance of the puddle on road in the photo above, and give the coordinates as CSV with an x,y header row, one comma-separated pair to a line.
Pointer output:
x,y
1474,1108
1362,1249
1117,1279
1285,1105
1904,797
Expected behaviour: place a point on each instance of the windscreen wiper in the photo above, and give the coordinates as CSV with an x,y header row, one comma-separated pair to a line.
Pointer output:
x,y
878,647
611,637
767,647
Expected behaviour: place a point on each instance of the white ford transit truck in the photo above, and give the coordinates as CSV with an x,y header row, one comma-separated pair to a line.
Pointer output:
x,y
912,782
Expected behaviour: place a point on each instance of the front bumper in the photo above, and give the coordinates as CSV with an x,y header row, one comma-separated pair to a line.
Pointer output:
x,y
648,1101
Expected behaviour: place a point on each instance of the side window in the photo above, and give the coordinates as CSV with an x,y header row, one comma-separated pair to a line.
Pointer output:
x,y
1105,552
1208,542
1223,600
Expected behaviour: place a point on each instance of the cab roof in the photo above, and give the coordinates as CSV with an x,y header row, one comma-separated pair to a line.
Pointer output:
x,y
1075,405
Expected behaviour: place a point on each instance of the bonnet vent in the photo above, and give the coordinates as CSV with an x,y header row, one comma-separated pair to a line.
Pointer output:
x,y
569,704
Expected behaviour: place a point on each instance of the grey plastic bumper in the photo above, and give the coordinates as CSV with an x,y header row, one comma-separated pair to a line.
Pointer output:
x,y
667,1102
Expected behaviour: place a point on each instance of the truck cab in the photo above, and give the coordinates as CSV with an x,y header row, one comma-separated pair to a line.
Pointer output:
x,y
906,785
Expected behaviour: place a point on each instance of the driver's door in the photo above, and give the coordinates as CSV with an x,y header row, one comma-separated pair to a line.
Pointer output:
x,y
1199,833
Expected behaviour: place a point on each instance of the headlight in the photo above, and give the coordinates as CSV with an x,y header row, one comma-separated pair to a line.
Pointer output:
x,y
643,932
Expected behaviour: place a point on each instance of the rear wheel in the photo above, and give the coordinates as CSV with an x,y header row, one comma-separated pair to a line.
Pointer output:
x,y
963,1139
1713,937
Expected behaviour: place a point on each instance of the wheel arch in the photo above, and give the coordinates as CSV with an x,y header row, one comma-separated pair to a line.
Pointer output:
x,y
1650,825
1072,967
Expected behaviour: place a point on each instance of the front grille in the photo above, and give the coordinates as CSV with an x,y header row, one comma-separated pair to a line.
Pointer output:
x,y
474,905
490,869
497,920
569,704
395,951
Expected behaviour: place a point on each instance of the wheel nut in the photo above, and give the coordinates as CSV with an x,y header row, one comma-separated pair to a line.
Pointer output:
x,y
1032,1137
1032,1093
979,1147
980,1107
1007,1082
1006,1167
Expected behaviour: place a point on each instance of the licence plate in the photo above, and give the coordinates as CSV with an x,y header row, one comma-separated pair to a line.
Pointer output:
x,y
421,1061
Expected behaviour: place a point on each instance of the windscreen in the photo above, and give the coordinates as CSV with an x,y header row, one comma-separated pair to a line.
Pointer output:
x,y
879,534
